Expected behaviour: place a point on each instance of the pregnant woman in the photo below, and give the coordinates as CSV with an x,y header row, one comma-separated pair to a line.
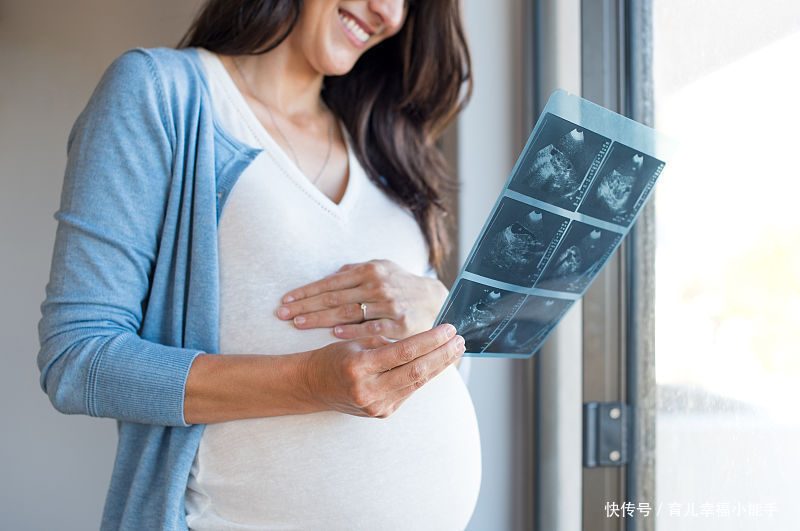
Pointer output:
x,y
243,272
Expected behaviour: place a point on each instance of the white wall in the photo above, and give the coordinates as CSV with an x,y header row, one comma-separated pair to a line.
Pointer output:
x,y
55,469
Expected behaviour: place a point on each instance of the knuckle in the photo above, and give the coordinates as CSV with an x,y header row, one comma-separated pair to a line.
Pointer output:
x,y
352,370
387,411
405,352
374,410
416,374
361,398
330,300
382,290
374,327
397,309
403,320
367,342
354,347
374,269
350,311
372,342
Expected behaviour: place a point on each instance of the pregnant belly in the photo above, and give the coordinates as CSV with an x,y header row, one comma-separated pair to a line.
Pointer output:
x,y
419,469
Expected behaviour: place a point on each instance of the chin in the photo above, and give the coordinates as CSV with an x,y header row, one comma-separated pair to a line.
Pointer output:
x,y
337,60
337,68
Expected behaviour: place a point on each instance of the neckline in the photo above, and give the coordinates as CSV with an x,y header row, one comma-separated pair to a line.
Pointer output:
x,y
271,147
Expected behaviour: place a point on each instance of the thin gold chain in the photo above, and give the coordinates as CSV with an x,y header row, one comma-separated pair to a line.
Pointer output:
x,y
277,127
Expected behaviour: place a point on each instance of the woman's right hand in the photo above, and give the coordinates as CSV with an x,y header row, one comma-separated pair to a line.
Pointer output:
x,y
372,376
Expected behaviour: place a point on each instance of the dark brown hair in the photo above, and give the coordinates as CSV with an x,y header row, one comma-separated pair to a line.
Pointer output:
x,y
395,102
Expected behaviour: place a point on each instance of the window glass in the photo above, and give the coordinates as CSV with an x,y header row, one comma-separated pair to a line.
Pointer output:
x,y
727,87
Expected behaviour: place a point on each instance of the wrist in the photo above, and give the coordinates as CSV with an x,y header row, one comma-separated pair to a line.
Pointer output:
x,y
307,378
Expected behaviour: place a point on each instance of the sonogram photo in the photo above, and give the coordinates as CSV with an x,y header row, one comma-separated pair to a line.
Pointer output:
x,y
625,176
477,311
557,162
514,245
531,324
580,255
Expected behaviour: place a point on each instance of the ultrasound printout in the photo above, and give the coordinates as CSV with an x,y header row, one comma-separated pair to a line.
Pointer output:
x,y
573,195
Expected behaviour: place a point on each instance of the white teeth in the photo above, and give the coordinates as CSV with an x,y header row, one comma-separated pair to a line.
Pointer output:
x,y
354,28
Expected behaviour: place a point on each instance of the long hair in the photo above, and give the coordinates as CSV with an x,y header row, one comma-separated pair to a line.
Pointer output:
x,y
395,102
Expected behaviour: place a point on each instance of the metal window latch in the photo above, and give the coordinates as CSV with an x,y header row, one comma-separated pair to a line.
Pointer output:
x,y
605,434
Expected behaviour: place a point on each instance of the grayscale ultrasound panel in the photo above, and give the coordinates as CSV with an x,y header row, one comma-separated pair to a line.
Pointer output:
x,y
615,193
558,162
582,252
533,322
478,312
515,246
574,193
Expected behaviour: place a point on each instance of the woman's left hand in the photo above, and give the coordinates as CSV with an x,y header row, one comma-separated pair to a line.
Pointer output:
x,y
398,304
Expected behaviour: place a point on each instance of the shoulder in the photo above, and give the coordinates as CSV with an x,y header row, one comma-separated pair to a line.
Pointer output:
x,y
172,72
159,82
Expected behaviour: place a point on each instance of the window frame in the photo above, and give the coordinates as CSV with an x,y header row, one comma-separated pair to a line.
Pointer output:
x,y
615,321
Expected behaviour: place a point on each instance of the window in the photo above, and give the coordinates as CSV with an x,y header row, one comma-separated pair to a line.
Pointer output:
x,y
728,264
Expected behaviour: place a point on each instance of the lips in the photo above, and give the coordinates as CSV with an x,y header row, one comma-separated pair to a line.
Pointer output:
x,y
355,27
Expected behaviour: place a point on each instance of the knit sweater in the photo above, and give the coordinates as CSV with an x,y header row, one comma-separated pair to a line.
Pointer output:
x,y
133,293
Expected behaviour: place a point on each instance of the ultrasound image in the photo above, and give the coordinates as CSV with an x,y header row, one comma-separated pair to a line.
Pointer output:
x,y
624,177
477,311
532,323
581,254
570,200
555,165
515,242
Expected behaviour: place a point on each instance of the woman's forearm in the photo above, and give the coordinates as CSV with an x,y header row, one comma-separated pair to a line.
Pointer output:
x,y
238,386
369,376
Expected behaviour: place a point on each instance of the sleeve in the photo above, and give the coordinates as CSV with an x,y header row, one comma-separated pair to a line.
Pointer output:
x,y
113,201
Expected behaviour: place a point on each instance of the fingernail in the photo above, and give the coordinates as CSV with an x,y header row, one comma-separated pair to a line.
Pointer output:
x,y
288,298
460,341
299,320
283,312
338,330
450,329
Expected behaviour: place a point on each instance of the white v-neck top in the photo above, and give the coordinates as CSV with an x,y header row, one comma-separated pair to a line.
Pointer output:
x,y
420,468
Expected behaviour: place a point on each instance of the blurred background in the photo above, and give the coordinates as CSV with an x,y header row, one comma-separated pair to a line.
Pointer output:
x,y
728,264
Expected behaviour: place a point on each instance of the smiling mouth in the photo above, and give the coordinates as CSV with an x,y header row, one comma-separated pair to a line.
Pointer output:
x,y
353,27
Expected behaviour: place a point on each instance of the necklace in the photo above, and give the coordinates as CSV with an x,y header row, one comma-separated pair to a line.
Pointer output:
x,y
280,132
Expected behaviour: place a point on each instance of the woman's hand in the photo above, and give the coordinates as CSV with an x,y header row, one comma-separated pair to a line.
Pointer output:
x,y
398,304
369,376
372,376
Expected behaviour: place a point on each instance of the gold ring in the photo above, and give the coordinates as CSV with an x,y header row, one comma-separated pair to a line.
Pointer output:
x,y
364,310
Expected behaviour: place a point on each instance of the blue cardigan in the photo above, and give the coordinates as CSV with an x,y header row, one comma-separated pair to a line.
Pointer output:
x,y
133,293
